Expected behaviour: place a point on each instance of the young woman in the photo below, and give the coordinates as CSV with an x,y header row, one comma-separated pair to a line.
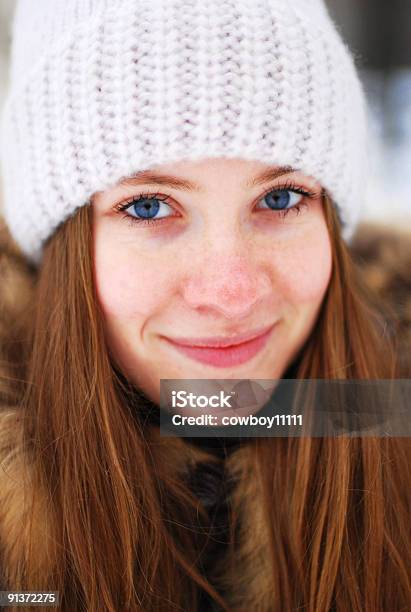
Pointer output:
x,y
182,185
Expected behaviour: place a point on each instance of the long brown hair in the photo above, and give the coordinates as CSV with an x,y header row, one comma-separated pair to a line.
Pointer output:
x,y
119,526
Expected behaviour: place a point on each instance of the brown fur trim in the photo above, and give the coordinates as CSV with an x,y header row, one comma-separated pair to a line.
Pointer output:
x,y
384,256
15,506
245,577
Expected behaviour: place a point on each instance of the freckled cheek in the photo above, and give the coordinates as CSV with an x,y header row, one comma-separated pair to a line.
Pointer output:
x,y
132,290
305,270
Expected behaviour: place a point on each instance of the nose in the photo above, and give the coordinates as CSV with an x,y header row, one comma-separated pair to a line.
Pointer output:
x,y
229,285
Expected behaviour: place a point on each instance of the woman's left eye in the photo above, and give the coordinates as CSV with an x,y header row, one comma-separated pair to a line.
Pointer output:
x,y
285,200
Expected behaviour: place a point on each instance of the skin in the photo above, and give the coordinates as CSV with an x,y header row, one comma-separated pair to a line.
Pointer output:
x,y
221,262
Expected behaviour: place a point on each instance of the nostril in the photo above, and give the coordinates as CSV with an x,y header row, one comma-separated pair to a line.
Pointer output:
x,y
233,302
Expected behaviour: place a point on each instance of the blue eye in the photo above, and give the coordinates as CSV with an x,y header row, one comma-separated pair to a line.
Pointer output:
x,y
282,199
148,208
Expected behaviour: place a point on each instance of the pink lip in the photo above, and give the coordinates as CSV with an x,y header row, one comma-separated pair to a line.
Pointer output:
x,y
223,352
220,341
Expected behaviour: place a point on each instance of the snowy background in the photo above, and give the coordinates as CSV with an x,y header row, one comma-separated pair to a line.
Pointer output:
x,y
379,34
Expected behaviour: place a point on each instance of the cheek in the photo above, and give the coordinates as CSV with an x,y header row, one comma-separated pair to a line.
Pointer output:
x,y
304,271
129,287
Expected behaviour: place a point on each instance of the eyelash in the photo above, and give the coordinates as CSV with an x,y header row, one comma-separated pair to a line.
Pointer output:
x,y
287,186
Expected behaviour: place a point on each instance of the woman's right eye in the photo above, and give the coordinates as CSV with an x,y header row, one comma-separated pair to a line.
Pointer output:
x,y
145,208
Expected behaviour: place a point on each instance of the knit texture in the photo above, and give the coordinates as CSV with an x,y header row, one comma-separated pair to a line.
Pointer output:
x,y
103,88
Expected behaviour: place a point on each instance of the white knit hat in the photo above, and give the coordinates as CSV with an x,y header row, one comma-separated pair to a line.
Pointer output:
x,y
103,88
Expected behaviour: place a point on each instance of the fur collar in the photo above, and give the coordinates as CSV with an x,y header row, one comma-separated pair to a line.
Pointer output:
x,y
384,254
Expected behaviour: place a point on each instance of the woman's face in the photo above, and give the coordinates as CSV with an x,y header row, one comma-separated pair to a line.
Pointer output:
x,y
216,256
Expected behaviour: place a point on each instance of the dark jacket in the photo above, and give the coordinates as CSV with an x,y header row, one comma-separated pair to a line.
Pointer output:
x,y
218,470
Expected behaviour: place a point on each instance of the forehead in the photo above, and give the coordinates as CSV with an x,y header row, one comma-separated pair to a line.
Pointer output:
x,y
193,176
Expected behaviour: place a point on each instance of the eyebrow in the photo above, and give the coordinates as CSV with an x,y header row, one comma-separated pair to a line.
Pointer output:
x,y
148,177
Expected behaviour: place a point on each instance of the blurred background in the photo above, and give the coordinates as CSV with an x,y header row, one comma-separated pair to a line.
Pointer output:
x,y
379,34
